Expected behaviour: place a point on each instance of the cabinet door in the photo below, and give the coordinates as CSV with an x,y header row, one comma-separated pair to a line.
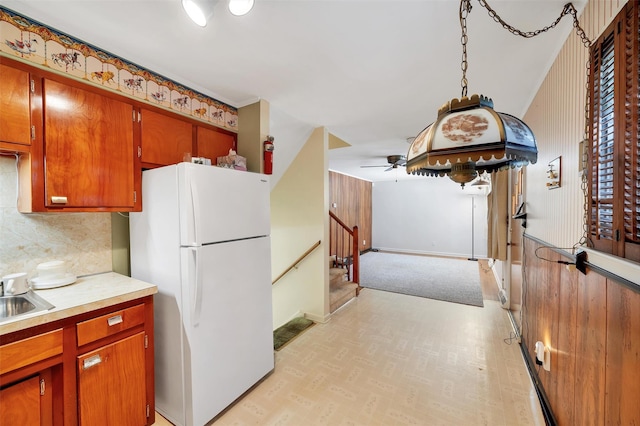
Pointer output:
x,y
165,140
213,144
20,403
15,115
88,147
111,384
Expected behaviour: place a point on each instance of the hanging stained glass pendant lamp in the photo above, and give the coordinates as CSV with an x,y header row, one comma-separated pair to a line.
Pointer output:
x,y
469,136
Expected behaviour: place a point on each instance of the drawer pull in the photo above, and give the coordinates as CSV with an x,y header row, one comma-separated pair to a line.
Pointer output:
x,y
116,319
58,200
91,361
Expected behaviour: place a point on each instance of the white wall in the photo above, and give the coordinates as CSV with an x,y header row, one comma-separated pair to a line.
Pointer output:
x,y
557,117
299,219
430,216
290,135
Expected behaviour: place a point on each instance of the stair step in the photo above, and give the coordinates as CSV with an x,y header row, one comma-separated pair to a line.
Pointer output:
x,y
341,294
337,276
333,272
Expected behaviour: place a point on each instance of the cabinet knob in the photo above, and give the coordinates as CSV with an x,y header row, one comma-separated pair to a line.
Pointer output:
x,y
56,199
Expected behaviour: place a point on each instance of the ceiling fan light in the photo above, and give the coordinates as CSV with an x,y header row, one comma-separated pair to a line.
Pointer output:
x,y
240,7
199,11
480,182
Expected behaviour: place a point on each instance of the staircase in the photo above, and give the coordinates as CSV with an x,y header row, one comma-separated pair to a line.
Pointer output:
x,y
344,263
341,290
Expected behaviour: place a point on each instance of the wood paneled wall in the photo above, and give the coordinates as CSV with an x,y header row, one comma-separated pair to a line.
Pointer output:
x,y
352,198
592,325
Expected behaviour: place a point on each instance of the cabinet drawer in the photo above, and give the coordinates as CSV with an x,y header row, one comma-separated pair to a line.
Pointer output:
x,y
107,325
28,351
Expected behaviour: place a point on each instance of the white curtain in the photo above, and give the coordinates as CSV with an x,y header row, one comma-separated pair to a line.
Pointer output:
x,y
498,215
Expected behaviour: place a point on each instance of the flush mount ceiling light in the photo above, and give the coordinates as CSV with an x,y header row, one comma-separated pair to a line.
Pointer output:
x,y
200,11
468,136
240,7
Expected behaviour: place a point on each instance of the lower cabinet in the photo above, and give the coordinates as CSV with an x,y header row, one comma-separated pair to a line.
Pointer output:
x,y
96,368
111,384
26,403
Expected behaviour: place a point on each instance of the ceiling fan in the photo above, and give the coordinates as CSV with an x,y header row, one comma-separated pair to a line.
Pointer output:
x,y
394,161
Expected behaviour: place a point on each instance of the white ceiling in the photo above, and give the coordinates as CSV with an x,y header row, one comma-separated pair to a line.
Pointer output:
x,y
373,72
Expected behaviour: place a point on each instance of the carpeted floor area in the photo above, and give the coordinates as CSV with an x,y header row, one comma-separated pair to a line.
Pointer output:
x,y
440,278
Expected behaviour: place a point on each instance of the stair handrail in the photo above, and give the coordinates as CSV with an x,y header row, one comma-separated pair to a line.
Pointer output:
x,y
300,259
355,251
340,222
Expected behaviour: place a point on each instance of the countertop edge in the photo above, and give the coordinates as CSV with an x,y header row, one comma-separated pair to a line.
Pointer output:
x,y
93,293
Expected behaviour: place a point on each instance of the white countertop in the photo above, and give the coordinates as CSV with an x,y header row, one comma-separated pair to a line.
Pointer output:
x,y
86,294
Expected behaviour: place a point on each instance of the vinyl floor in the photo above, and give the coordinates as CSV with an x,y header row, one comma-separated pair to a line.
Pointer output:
x,y
392,359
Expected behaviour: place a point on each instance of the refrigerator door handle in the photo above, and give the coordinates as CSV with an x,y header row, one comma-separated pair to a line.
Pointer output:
x,y
196,301
195,201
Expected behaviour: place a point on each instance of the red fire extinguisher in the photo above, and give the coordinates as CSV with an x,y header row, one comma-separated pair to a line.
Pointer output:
x,y
268,155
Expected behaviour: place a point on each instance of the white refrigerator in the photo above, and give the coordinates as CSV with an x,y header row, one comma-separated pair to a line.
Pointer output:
x,y
203,238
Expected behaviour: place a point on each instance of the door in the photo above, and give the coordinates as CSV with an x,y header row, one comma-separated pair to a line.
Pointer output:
x,y
15,120
88,149
165,140
21,403
514,266
227,323
213,144
112,384
218,204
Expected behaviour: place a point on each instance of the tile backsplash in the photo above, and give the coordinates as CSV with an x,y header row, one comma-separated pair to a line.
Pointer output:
x,y
83,240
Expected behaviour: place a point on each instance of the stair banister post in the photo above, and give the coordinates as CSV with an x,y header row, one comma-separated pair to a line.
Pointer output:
x,y
356,258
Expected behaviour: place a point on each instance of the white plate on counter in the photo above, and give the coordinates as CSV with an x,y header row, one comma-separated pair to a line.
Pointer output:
x,y
40,283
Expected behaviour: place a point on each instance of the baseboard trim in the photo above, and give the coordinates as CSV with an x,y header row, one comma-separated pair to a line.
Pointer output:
x,y
549,418
514,326
426,253
317,318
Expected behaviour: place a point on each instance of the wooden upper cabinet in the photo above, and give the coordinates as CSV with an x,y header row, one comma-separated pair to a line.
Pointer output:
x,y
15,111
88,149
213,144
164,140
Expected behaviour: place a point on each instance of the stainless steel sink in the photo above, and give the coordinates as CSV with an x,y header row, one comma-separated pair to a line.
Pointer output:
x,y
22,304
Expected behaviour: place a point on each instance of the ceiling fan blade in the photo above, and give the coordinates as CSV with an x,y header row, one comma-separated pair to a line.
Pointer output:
x,y
390,168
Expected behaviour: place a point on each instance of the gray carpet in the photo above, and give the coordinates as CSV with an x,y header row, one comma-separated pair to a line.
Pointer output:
x,y
447,279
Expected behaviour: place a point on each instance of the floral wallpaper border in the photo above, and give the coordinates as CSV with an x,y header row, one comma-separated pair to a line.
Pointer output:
x,y
30,41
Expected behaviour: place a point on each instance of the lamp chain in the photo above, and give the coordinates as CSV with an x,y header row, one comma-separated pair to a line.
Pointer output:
x,y
586,151
465,8
568,9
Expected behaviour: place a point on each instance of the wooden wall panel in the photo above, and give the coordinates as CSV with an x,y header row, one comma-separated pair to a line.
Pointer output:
x,y
592,325
564,351
590,350
547,314
622,396
352,199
